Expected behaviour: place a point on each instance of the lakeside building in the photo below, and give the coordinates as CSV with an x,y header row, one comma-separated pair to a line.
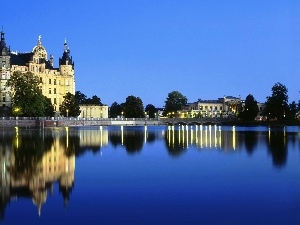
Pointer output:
x,y
93,111
55,82
222,107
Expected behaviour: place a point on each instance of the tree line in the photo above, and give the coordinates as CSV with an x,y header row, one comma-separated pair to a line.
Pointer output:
x,y
28,100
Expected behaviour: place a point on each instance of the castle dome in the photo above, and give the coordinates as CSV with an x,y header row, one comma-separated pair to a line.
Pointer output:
x,y
39,49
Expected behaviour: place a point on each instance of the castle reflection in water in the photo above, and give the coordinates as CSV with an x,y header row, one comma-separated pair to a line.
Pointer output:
x,y
32,161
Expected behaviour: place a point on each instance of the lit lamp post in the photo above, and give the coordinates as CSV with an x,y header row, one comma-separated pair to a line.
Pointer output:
x,y
67,113
122,114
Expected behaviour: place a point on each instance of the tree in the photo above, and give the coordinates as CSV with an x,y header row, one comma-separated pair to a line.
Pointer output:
x,y
95,100
70,107
250,109
151,110
175,101
133,107
277,104
49,108
27,97
293,109
80,97
115,110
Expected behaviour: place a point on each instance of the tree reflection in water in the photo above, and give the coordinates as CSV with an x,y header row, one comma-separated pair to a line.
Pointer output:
x,y
277,147
250,139
131,138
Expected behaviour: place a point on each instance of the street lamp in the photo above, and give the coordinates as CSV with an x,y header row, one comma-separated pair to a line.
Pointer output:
x,y
67,113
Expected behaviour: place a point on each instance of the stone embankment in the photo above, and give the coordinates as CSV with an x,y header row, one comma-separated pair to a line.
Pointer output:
x,y
75,122
42,122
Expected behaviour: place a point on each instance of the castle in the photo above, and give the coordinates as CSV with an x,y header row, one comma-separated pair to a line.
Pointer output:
x,y
54,82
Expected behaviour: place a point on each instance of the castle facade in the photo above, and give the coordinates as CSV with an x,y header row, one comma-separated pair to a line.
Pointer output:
x,y
55,82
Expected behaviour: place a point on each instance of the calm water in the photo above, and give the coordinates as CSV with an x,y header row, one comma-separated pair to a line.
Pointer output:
x,y
151,175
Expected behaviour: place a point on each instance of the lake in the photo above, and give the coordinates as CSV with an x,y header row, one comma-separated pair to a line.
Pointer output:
x,y
151,175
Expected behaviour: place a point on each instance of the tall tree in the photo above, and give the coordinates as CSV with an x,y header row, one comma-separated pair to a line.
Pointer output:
x,y
27,97
277,104
115,110
151,110
70,107
175,101
133,107
250,109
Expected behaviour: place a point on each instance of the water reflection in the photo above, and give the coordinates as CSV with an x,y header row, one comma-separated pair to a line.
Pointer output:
x,y
32,161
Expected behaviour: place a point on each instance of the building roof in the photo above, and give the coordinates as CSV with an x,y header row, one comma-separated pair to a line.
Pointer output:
x,y
21,59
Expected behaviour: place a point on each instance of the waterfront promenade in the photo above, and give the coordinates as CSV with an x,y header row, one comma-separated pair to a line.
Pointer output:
x,y
77,122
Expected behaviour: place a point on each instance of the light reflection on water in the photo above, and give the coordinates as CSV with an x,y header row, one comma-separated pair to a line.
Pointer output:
x,y
161,172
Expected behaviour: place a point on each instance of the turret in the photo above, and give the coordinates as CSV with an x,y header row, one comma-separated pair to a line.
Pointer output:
x,y
66,59
4,51
52,60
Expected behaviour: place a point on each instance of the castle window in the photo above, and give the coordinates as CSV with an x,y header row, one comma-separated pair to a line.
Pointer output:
x,y
54,90
49,90
54,100
41,80
54,81
49,81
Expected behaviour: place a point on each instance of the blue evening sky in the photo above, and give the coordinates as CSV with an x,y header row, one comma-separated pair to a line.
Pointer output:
x,y
147,48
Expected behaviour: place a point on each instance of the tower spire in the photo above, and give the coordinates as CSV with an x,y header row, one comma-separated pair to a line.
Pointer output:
x,y
2,34
39,40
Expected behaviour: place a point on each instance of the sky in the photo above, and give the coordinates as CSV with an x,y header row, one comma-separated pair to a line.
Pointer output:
x,y
204,49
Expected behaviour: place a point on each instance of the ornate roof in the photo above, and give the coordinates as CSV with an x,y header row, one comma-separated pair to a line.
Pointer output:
x,y
39,49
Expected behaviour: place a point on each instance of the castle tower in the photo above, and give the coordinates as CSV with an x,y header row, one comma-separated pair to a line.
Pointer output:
x,y
4,73
66,67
